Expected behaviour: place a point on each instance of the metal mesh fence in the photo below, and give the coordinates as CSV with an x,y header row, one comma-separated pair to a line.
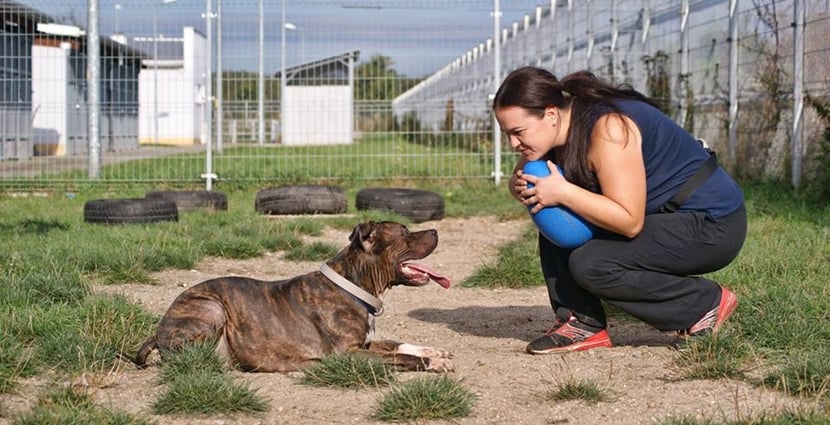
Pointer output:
x,y
251,90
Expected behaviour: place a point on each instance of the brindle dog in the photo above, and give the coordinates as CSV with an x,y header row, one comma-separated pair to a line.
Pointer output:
x,y
285,325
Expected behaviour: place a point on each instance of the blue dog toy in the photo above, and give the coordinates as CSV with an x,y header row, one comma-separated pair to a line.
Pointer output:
x,y
559,224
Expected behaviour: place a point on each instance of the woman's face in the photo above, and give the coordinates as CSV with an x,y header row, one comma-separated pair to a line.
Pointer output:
x,y
529,135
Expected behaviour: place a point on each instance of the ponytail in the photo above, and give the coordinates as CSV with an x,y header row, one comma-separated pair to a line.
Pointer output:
x,y
592,97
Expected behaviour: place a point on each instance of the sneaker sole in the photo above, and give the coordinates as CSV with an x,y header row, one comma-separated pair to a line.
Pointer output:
x,y
579,346
727,307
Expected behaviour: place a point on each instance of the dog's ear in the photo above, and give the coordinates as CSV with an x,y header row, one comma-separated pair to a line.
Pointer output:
x,y
363,235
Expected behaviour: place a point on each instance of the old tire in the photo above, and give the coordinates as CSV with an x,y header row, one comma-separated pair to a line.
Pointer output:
x,y
137,210
293,200
417,205
189,200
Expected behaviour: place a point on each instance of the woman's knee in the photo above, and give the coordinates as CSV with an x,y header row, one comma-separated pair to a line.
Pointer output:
x,y
592,272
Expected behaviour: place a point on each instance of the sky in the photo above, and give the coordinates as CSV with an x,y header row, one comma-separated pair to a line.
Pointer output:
x,y
421,36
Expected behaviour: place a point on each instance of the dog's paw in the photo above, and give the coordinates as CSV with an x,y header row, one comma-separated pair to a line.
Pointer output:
x,y
440,365
436,353
419,351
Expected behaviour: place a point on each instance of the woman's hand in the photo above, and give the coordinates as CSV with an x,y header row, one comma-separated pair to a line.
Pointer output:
x,y
546,191
517,183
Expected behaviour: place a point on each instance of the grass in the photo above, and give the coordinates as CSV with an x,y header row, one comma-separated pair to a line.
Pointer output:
x,y
586,390
438,397
240,166
71,406
192,360
713,356
785,418
205,393
315,251
514,266
198,383
348,370
50,321
802,373
71,337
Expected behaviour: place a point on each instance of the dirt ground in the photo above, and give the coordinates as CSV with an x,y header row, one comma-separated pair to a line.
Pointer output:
x,y
486,330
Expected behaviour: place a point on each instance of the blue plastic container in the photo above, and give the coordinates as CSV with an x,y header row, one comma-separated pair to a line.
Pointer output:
x,y
559,224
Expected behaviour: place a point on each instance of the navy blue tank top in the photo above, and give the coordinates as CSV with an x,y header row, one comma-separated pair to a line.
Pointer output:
x,y
671,156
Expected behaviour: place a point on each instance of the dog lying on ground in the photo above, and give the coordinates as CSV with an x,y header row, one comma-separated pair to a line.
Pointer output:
x,y
285,325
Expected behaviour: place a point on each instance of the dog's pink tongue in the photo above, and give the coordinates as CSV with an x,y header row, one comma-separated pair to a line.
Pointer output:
x,y
434,275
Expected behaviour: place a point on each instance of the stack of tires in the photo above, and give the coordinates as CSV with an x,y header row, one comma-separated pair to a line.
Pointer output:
x,y
155,206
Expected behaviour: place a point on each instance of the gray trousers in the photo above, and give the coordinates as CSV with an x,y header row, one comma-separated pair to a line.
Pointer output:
x,y
653,277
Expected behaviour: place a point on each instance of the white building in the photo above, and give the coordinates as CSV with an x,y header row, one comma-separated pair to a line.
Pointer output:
x,y
317,107
59,89
172,90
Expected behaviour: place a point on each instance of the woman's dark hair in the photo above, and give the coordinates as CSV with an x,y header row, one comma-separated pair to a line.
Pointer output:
x,y
534,89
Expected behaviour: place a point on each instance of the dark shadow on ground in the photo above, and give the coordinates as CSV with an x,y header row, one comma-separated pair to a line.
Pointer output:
x,y
528,322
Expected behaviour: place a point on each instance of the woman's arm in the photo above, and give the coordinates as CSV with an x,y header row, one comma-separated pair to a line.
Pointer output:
x,y
615,156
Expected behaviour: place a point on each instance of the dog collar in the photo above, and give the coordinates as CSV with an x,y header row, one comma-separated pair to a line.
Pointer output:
x,y
374,304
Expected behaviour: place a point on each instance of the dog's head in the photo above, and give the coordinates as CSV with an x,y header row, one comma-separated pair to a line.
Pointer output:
x,y
382,254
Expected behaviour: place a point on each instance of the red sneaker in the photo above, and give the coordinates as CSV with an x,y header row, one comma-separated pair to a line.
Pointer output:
x,y
569,336
713,320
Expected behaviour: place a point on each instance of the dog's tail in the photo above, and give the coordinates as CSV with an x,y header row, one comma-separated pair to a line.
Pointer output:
x,y
140,359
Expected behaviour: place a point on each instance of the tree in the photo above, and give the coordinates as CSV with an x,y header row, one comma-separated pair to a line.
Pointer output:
x,y
377,80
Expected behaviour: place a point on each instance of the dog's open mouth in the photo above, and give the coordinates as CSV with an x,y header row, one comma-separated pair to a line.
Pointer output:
x,y
421,274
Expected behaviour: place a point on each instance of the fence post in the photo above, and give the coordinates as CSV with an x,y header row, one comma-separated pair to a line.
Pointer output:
x,y
570,35
539,38
798,88
615,33
209,175
93,86
733,80
260,138
646,20
590,49
684,63
496,83
554,44
220,70
4,131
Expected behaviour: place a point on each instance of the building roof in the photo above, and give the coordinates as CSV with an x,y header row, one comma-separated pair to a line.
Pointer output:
x,y
25,19
333,70
170,49
23,16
